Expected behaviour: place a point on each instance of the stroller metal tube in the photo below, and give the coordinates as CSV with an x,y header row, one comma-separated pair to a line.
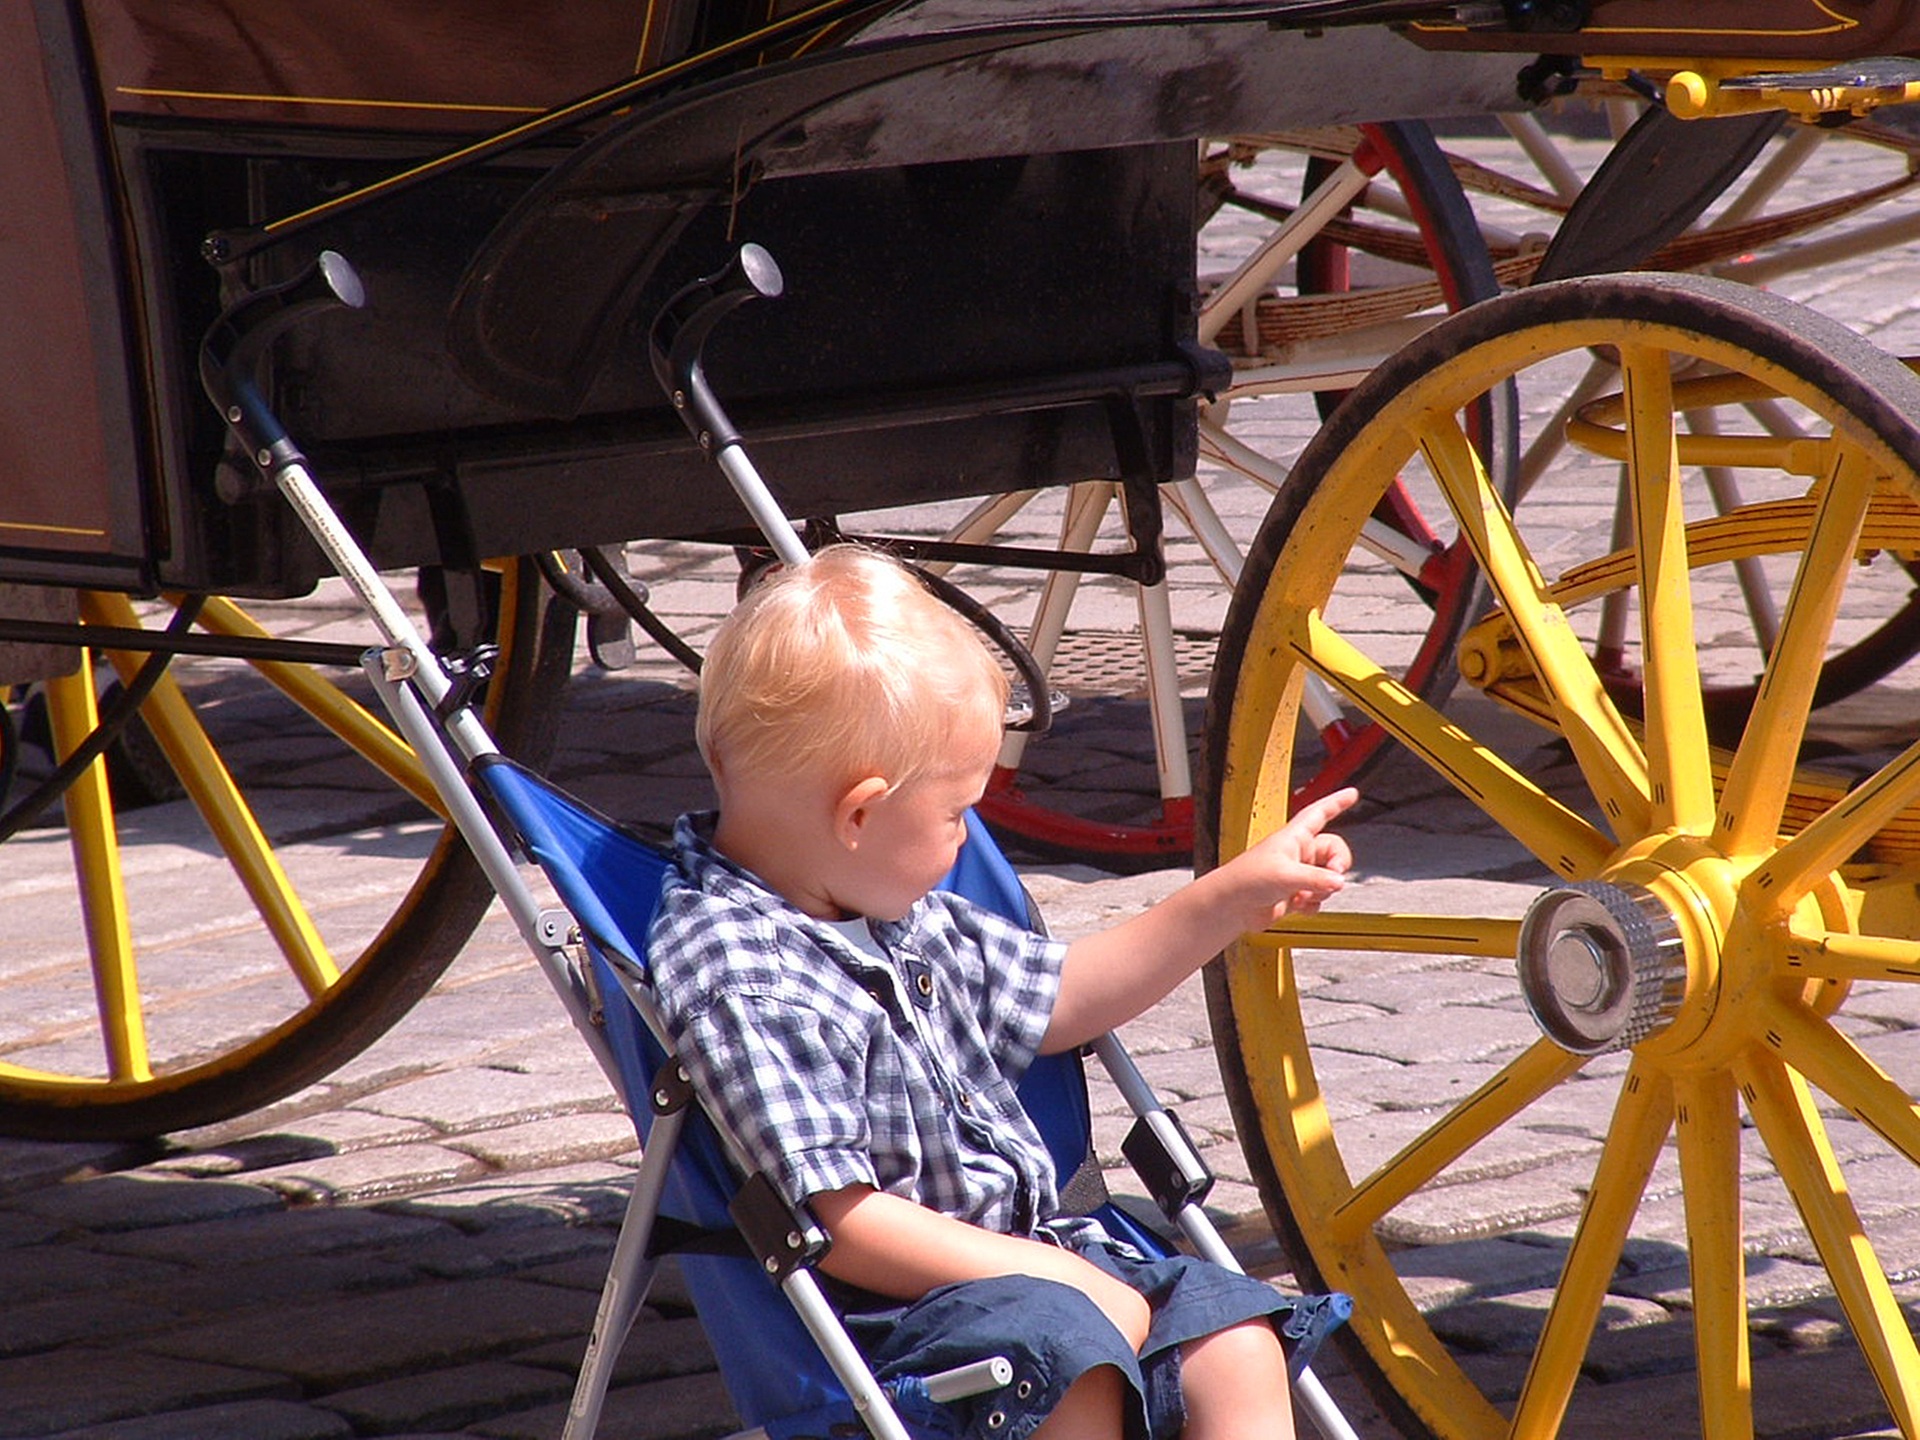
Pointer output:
x,y
488,849
1309,1394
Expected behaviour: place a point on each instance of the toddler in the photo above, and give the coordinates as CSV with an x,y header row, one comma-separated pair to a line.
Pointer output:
x,y
863,1032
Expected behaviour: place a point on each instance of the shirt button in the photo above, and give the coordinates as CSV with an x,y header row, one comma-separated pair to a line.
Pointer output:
x,y
966,1102
923,982
996,1419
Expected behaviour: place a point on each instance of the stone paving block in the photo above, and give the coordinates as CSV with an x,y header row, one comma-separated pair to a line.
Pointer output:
x,y
484,1098
135,1202
1808,1395
1471,1033
31,1164
1527,1200
1659,1405
1438,1275
447,1399
528,1250
1897,1006
544,1144
1370,1141
1429,1085
1077,900
1510,1323
86,1385
17,1230
657,1347
331,1343
1208,1118
1181,1074
36,1326
346,1130
217,1289
495,1007
1236,1205
1319,1016
1896,1242
244,1420
1772,1282
572,1194
369,1175
1661,1343
37,1272
1418,992
281,1236
689,1407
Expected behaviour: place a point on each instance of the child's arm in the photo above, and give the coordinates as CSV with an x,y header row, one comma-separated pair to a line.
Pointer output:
x,y
1113,975
897,1247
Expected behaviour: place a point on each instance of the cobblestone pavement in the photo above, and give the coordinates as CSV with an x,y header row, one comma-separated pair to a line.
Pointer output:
x,y
414,1246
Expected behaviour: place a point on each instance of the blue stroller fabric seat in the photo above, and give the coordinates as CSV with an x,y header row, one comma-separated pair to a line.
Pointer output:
x,y
609,880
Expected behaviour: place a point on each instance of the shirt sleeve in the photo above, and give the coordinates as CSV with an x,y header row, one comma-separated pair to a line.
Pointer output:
x,y
1018,984
787,1085
781,1075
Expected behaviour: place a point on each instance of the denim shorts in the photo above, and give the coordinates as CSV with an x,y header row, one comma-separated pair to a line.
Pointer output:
x,y
1052,1334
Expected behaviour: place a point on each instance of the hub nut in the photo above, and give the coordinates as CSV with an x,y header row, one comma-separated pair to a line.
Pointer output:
x,y
1602,966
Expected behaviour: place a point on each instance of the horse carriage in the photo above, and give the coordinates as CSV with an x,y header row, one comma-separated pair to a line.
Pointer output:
x,y
987,219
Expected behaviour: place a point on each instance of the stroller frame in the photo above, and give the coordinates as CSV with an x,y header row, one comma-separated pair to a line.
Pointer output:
x,y
430,702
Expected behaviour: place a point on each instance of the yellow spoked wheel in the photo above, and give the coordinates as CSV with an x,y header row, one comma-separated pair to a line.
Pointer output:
x,y
1667,1033
180,962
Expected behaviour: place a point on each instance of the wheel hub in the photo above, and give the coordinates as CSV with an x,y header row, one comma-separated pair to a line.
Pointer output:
x,y
1602,966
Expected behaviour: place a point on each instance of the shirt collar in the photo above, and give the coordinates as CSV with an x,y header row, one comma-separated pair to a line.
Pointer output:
x,y
715,874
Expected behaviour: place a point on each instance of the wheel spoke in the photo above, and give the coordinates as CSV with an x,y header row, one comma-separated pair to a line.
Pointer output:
x,y
1490,939
331,706
1608,754
1707,1125
1755,794
1520,1082
211,787
1561,839
1853,957
1791,872
1641,1121
72,712
1837,1066
1783,1110
1245,285
1676,722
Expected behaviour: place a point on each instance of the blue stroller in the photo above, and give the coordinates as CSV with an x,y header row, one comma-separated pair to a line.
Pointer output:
x,y
788,1364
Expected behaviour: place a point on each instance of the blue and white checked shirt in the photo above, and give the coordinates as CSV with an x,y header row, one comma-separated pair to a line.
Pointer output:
x,y
836,1067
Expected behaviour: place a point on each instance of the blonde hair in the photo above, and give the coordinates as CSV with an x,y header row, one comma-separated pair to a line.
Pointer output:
x,y
846,665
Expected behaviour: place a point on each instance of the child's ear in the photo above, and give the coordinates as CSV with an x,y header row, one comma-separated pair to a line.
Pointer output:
x,y
851,811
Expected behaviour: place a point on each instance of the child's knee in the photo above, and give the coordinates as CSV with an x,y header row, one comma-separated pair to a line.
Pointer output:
x,y
1242,1360
1091,1408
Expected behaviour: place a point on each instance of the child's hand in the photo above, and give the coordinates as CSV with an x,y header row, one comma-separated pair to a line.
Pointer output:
x,y
1112,975
1299,865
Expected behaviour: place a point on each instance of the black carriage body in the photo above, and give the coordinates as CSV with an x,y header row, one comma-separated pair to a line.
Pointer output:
x,y
928,311
987,238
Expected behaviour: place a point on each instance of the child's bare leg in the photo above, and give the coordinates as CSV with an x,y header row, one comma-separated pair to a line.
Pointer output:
x,y
1235,1385
1090,1410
